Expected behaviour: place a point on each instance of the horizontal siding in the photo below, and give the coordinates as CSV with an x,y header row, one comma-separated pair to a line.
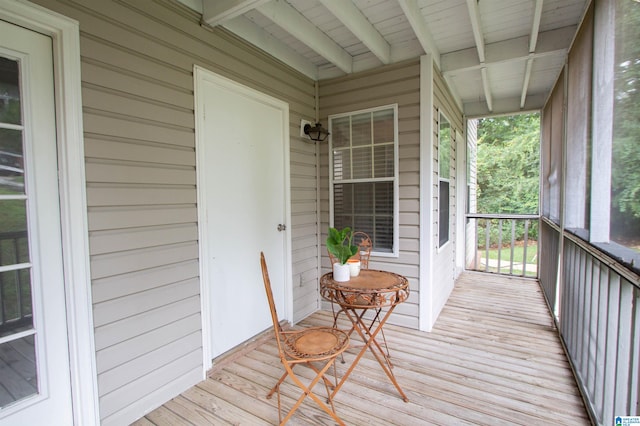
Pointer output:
x,y
397,83
137,60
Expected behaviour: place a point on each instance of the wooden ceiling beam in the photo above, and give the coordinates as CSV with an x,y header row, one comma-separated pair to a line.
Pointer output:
x,y
420,29
533,40
216,12
554,42
476,26
293,22
359,25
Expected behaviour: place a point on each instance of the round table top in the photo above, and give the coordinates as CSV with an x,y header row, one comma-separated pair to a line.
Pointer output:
x,y
371,288
368,279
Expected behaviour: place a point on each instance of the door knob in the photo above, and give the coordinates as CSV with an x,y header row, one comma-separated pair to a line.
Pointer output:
x,y
282,227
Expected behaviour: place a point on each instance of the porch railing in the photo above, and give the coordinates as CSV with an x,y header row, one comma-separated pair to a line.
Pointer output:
x,y
15,286
598,316
502,243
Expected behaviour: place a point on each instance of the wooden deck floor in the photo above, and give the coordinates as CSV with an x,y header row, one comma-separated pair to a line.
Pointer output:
x,y
493,358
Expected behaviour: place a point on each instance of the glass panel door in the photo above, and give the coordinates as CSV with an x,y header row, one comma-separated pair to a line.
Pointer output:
x,y
18,373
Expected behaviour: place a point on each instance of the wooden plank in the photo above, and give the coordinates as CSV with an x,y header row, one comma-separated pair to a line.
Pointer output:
x,y
493,357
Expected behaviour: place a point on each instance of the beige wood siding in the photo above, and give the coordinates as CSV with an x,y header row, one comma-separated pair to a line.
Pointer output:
x,y
137,81
398,83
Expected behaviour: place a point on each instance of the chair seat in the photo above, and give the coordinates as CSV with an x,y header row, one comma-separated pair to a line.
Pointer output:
x,y
316,342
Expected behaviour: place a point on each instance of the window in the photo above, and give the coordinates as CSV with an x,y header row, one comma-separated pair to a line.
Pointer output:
x,y
364,174
444,169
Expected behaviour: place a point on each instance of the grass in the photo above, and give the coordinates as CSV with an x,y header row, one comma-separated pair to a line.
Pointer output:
x,y
518,253
505,259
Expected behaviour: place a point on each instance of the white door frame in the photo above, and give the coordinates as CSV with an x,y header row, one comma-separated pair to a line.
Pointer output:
x,y
200,76
73,206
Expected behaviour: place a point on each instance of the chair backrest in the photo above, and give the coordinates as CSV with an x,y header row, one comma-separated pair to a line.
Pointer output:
x,y
364,243
272,304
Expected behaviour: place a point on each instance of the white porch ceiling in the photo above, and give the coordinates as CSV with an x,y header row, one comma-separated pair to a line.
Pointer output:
x,y
498,56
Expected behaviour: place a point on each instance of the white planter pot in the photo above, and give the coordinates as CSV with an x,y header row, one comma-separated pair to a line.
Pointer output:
x,y
341,273
354,267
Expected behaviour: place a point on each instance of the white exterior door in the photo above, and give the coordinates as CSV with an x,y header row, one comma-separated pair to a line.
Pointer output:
x,y
34,359
243,178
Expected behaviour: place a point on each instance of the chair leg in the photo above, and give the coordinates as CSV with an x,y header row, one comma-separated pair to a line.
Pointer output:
x,y
277,385
307,391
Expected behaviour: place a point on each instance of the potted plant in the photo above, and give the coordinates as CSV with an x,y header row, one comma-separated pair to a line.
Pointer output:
x,y
340,247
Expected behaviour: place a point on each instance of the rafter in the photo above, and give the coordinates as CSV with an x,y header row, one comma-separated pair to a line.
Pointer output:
x,y
216,12
296,24
419,26
255,35
533,41
474,16
360,26
554,42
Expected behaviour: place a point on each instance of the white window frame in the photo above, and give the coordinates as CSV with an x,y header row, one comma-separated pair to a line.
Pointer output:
x,y
396,173
448,180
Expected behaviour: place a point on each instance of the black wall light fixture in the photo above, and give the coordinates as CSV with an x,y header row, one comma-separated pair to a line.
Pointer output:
x,y
316,133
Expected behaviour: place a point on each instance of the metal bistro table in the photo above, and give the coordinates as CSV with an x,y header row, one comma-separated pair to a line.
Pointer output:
x,y
373,290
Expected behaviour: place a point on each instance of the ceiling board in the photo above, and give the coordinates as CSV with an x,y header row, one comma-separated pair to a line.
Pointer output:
x,y
445,28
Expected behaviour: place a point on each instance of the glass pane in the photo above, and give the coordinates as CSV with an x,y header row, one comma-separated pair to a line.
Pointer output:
x,y
383,161
384,199
11,165
362,163
340,130
363,195
13,232
342,221
364,224
383,235
341,164
383,126
443,229
18,378
343,198
361,129
16,313
444,147
625,179
366,207
9,92
14,248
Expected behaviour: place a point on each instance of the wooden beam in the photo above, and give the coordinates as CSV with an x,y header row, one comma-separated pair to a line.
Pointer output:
x,y
215,12
300,27
533,40
535,28
419,26
554,42
474,16
360,26
255,35
476,109
487,88
525,82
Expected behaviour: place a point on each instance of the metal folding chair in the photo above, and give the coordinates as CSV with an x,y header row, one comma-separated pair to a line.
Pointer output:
x,y
310,346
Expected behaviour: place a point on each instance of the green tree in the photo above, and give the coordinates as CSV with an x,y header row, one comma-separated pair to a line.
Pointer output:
x,y
508,170
625,185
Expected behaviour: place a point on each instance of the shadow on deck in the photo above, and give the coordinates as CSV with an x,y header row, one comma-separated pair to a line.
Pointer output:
x,y
493,358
